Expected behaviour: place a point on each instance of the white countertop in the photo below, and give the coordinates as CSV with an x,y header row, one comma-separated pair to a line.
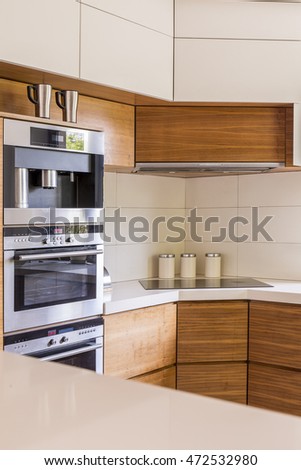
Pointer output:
x,y
131,295
54,406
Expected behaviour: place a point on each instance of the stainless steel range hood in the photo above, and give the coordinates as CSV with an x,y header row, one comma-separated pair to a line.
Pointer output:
x,y
206,167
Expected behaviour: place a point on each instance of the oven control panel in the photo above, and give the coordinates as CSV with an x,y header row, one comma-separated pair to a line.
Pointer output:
x,y
52,236
56,337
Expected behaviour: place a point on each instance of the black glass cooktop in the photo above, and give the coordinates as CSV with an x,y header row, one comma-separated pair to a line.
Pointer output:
x,y
204,283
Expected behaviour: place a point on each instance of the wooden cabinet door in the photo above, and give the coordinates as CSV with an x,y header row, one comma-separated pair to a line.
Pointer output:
x,y
140,341
206,134
227,381
275,332
163,377
274,388
212,331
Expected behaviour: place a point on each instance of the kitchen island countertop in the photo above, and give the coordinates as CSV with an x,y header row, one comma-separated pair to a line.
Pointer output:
x,y
54,406
129,295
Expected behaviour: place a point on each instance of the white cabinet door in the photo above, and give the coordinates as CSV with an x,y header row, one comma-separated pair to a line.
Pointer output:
x,y
237,70
240,20
122,54
154,14
43,34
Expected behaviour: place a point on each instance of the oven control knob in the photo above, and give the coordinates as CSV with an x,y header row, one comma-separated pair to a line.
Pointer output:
x,y
46,241
51,342
64,339
70,239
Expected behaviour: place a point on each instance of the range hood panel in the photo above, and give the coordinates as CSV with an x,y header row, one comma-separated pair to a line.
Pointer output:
x,y
206,167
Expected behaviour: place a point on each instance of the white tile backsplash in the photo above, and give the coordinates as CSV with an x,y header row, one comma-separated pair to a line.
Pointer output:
x,y
277,195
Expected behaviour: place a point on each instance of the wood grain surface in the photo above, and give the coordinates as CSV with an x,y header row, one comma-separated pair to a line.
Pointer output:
x,y
227,381
212,331
192,134
163,377
140,341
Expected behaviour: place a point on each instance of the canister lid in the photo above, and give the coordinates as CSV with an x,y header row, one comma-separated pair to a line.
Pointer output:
x,y
167,255
188,255
213,255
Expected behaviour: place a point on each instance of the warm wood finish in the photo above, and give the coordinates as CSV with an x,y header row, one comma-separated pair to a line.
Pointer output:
x,y
289,136
117,120
212,331
275,332
227,381
275,388
163,377
192,134
140,341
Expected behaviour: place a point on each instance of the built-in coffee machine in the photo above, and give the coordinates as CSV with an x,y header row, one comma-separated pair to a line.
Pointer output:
x,y
52,174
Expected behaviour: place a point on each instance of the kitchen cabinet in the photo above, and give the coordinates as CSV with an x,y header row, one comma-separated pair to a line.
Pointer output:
x,y
140,341
157,14
275,356
212,349
211,133
126,55
41,34
164,377
225,70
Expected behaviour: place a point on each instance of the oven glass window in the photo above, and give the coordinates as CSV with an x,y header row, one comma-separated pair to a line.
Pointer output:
x,y
45,282
85,360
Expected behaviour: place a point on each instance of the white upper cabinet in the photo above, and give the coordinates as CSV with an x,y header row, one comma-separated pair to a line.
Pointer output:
x,y
154,14
125,55
43,34
239,20
237,70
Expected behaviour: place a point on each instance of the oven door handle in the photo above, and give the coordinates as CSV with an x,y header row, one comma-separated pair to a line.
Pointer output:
x,y
71,352
60,254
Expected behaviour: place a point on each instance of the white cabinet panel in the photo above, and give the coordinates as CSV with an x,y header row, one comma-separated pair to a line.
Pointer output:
x,y
195,18
125,55
237,70
42,34
155,14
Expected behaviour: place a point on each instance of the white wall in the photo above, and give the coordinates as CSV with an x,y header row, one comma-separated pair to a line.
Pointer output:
x,y
223,199
148,197
275,195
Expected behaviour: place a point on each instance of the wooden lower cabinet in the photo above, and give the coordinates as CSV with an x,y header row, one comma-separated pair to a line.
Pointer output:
x,y
212,349
275,388
165,377
140,341
227,381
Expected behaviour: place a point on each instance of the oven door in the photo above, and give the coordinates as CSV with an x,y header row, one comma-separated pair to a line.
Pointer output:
x,y
87,356
44,286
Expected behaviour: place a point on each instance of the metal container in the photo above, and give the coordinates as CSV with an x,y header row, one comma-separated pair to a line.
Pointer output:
x,y
188,265
49,179
166,266
213,265
21,188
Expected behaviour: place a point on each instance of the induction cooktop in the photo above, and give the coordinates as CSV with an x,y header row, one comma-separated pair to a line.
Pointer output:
x,y
202,283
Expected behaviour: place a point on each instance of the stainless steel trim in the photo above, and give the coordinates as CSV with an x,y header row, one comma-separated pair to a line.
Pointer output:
x,y
224,167
70,353
60,254
21,188
31,216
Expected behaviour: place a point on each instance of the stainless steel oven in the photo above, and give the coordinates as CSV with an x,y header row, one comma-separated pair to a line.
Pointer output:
x,y
77,344
52,274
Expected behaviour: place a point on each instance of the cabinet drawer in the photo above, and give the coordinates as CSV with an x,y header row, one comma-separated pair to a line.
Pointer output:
x,y
274,388
163,377
227,381
275,332
212,331
140,341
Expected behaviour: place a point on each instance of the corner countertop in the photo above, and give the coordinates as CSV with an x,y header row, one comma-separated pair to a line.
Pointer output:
x,y
54,406
130,295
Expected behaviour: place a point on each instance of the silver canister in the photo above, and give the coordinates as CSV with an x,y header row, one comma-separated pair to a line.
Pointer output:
x,y
21,188
188,265
167,266
213,265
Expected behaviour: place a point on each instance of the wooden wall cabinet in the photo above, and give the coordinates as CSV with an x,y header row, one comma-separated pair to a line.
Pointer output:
x,y
141,341
212,133
275,356
212,349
